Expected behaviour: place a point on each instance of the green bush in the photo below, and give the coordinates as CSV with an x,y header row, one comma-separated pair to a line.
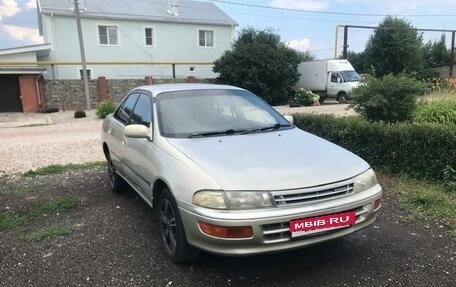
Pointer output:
x,y
79,114
441,112
449,177
305,97
420,150
105,108
389,99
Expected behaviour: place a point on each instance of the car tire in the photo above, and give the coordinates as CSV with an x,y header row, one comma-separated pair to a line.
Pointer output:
x,y
172,230
118,185
342,98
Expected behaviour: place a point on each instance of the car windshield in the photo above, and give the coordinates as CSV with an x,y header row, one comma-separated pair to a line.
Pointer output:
x,y
350,76
202,113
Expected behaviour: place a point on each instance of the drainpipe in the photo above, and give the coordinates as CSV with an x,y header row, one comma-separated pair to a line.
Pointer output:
x,y
37,86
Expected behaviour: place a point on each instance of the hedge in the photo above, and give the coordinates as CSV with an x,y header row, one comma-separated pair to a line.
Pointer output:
x,y
421,150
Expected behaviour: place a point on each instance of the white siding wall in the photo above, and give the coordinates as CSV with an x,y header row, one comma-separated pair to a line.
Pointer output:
x,y
19,57
173,42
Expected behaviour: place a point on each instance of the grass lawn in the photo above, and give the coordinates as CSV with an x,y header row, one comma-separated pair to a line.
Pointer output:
x,y
50,232
10,220
58,168
424,199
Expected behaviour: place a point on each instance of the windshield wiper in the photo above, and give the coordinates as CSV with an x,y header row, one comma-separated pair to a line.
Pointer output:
x,y
256,130
206,134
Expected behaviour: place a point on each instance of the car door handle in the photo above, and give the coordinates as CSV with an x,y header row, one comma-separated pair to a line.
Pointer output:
x,y
124,142
109,130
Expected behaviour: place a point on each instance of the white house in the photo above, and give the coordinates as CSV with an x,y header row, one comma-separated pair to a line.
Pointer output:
x,y
131,39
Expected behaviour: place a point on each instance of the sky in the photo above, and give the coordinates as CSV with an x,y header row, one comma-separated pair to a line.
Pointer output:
x,y
305,25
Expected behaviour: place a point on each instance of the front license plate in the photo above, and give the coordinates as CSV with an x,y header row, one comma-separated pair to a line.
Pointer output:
x,y
321,223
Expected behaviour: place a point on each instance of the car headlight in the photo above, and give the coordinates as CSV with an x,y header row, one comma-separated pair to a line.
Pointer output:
x,y
365,180
232,199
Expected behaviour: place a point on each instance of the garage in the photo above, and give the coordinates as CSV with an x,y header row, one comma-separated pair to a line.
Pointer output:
x,y
10,94
21,79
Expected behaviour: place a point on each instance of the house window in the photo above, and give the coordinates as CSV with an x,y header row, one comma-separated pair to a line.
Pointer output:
x,y
206,38
149,33
89,74
108,35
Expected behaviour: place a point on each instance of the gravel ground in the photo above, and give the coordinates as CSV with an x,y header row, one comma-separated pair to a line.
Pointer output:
x,y
326,108
38,140
115,242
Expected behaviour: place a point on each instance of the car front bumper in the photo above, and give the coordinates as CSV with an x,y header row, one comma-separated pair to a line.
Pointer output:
x,y
271,226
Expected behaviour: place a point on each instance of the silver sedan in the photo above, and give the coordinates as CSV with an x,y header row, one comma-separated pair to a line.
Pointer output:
x,y
229,175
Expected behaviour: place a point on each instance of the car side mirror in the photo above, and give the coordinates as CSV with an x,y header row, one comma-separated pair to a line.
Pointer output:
x,y
138,131
339,80
289,118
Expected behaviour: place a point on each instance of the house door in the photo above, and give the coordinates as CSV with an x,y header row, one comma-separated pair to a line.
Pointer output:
x,y
10,95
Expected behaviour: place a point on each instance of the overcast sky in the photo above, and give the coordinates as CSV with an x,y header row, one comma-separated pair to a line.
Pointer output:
x,y
303,30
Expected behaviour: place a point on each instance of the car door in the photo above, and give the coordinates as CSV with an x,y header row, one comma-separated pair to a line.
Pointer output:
x,y
333,85
116,128
140,153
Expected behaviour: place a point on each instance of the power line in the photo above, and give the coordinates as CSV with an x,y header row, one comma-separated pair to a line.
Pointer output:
x,y
331,12
294,17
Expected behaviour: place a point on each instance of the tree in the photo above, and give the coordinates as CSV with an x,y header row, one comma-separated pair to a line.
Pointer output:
x,y
358,61
261,63
395,47
436,53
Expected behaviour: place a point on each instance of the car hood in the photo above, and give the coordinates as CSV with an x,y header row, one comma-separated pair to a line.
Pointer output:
x,y
271,161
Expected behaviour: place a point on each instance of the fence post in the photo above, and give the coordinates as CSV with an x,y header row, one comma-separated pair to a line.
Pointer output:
x,y
148,80
102,89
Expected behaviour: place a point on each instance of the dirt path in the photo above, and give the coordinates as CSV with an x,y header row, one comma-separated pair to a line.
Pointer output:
x,y
25,148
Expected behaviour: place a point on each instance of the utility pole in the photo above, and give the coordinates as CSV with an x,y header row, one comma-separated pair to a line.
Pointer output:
x,y
452,60
83,59
345,48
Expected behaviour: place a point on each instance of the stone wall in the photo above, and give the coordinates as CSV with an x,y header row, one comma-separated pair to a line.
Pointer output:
x,y
69,94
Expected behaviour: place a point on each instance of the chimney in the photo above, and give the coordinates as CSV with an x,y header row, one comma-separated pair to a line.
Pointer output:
x,y
173,7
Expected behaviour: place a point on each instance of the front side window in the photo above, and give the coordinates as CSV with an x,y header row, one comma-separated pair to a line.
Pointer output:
x,y
206,38
149,34
108,35
142,113
195,113
334,77
126,107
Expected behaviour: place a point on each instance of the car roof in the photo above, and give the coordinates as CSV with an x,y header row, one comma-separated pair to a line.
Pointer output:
x,y
163,88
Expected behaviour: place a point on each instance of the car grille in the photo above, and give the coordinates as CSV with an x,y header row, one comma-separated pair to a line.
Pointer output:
x,y
285,198
280,232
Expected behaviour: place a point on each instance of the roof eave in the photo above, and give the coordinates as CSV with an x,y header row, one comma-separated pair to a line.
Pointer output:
x,y
142,18
27,49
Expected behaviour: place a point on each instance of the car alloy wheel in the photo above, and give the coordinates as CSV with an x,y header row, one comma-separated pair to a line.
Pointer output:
x,y
168,225
111,173
172,230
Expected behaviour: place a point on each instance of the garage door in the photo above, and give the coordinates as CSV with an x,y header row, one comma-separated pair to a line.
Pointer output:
x,y
10,94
